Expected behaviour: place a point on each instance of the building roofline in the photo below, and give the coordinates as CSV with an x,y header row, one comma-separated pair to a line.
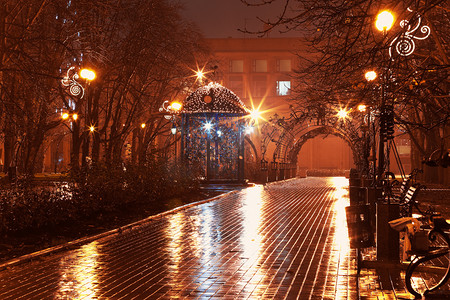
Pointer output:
x,y
255,44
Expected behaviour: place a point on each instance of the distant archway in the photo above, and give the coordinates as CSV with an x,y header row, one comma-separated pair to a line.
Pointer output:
x,y
315,156
314,132
289,136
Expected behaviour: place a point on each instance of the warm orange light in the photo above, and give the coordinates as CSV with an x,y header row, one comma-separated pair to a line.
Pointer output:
x,y
384,21
91,128
143,125
255,114
87,74
342,113
362,108
200,75
370,75
74,117
65,116
176,106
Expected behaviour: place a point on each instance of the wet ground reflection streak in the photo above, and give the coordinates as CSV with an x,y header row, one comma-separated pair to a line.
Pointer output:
x,y
341,248
79,274
321,234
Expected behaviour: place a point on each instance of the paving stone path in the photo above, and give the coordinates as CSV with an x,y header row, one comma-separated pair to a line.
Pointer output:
x,y
284,240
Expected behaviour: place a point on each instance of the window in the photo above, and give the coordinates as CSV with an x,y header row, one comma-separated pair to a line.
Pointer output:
x,y
283,87
259,86
237,85
237,66
403,146
284,65
260,65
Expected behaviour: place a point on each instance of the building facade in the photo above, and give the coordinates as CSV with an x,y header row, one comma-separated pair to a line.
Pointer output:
x,y
260,71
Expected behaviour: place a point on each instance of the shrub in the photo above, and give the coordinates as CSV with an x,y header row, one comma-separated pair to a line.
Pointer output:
x,y
90,192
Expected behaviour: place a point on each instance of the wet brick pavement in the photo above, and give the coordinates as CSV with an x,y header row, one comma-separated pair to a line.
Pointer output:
x,y
285,240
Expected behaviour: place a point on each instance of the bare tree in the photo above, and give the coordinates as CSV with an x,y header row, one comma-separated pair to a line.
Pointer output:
x,y
343,43
30,55
140,50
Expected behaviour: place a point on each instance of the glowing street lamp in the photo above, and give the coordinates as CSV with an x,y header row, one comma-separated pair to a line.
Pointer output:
x,y
384,21
91,128
342,113
176,106
255,115
370,75
143,125
170,107
200,75
87,74
362,108
66,116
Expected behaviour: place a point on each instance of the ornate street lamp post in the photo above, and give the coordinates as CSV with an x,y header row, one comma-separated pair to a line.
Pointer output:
x,y
387,239
404,45
384,22
371,76
76,89
71,81
171,111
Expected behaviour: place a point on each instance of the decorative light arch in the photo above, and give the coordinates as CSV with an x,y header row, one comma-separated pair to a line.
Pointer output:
x,y
315,131
289,135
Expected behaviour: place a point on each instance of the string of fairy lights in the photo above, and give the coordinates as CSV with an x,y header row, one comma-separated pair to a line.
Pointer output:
x,y
214,98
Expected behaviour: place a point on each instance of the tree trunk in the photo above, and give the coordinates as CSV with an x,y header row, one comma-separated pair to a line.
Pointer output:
x,y
8,148
76,143
95,122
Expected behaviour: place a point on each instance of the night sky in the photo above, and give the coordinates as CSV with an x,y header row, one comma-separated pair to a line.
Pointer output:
x,y
223,18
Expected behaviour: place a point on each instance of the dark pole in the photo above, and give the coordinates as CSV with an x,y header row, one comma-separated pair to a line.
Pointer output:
x,y
382,112
381,139
208,157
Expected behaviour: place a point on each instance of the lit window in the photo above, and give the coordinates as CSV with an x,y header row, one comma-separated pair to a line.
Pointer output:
x,y
260,65
237,66
283,87
284,65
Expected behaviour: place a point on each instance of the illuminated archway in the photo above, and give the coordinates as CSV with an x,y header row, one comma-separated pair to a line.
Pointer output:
x,y
287,137
292,154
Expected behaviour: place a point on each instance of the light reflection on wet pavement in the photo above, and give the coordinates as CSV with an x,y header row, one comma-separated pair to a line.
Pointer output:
x,y
286,240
